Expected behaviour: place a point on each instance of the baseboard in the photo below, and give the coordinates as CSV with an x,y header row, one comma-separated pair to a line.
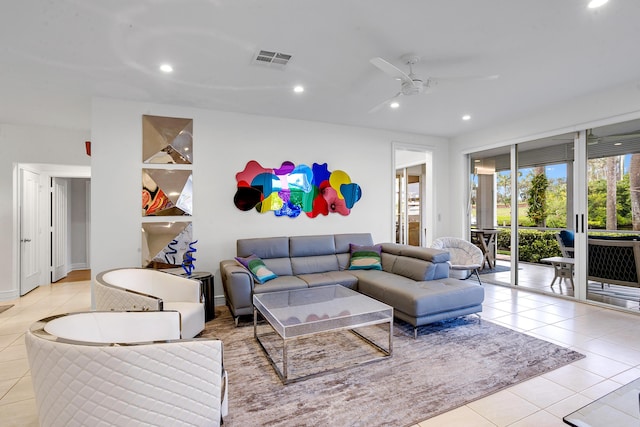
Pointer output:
x,y
79,266
9,295
219,300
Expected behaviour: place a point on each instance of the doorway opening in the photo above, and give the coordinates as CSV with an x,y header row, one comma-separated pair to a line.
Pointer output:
x,y
52,223
412,211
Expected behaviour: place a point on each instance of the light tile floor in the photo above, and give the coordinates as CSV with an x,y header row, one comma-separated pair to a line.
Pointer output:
x,y
609,338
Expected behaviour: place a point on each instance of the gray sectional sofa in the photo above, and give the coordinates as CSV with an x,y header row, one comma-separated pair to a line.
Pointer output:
x,y
413,280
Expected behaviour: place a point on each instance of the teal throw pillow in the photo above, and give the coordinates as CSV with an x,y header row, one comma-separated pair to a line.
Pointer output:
x,y
256,266
365,257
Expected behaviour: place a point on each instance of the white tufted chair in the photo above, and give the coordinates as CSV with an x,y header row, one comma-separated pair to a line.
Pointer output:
x,y
466,258
92,369
136,289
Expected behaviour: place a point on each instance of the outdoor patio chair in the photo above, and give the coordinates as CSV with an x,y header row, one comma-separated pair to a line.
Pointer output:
x,y
565,240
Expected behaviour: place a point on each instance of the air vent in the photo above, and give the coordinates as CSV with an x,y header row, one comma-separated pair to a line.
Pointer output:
x,y
266,57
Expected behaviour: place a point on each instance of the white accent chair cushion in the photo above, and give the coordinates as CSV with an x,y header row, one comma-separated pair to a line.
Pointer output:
x,y
192,316
466,257
79,381
126,327
141,289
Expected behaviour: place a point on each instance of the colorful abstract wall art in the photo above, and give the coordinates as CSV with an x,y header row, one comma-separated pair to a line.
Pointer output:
x,y
290,190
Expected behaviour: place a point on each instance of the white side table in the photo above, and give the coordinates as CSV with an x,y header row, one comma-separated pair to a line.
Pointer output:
x,y
563,268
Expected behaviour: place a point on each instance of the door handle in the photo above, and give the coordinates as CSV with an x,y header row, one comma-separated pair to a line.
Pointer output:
x,y
25,240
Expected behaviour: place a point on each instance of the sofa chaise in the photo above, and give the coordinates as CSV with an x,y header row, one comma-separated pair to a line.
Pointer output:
x,y
413,280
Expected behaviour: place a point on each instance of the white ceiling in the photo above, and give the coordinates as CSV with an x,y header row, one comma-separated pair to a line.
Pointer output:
x,y
56,55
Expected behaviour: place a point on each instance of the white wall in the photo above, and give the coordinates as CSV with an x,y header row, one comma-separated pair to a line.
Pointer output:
x,y
223,144
616,105
28,144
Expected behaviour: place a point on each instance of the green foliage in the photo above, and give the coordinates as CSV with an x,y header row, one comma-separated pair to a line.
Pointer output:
x,y
503,240
623,204
597,200
533,244
597,203
557,204
537,199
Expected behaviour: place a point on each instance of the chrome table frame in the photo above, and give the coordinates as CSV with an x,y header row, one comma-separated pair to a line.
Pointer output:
x,y
383,315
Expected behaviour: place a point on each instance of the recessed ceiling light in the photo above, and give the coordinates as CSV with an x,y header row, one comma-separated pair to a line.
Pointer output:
x,y
618,143
298,89
166,68
394,104
466,117
596,3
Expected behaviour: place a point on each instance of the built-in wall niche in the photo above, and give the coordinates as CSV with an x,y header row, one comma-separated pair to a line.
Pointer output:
x,y
166,244
167,192
167,140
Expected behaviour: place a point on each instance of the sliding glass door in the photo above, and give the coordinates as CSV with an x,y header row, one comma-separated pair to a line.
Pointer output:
x,y
567,211
545,211
613,237
491,203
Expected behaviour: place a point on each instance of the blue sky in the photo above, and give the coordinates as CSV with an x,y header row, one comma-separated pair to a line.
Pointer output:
x,y
560,170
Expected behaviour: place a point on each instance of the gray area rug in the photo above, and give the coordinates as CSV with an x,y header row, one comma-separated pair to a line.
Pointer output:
x,y
496,269
450,364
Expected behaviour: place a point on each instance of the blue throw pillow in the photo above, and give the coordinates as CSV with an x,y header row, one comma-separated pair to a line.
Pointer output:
x,y
256,266
365,257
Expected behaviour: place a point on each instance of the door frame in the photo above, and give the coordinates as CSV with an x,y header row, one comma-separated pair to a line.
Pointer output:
x,y
427,199
46,171
35,237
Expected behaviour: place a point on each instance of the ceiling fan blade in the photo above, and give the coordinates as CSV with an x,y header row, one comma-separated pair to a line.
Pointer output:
x,y
390,69
384,103
436,80
621,136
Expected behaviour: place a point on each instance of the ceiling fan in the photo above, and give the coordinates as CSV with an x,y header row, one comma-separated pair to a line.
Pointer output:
x,y
616,138
410,84
593,139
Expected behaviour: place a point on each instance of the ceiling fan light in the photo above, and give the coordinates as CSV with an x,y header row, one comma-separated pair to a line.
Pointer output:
x,y
593,4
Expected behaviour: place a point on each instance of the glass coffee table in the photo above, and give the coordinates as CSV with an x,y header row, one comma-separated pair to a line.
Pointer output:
x,y
319,312
619,408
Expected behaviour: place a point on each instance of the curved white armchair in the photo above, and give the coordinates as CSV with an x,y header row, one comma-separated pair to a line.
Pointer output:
x,y
141,289
466,258
91,369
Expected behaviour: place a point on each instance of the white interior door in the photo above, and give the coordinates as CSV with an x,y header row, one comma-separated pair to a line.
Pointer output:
x,y
29,230
59,221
